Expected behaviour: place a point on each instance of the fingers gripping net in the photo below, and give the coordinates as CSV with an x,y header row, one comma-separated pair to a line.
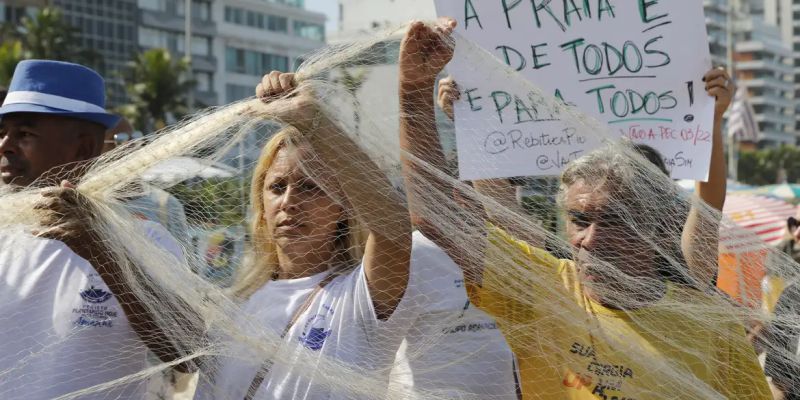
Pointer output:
x,y
333,295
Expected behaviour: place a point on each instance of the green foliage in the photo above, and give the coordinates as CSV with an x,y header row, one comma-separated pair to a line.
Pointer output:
x,y
761,167
156,86
10,55
543,208
212,202
44,36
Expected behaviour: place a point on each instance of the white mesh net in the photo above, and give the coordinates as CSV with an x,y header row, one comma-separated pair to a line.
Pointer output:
x,y
365,269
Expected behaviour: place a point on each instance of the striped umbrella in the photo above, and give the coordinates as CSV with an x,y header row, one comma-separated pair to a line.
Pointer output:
x,y
733,186
785,191
758,220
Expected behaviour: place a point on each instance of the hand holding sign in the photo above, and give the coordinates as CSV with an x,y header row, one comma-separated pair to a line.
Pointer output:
x,y
720,87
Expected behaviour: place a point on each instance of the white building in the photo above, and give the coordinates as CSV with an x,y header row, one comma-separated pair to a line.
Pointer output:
x,y
234,42
786,15
716,12
763,65
257,36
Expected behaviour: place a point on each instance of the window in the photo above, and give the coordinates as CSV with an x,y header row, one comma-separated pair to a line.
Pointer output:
x,y
152,38
277,24
234,60
309,30
201,45
254,62
251,18
154,5
237,92
293,3
201,10
204,81
234,15
256,19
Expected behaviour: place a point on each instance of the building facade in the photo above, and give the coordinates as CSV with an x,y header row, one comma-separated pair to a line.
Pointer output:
x,y
763,66
257,36
785,14
233,41
716,12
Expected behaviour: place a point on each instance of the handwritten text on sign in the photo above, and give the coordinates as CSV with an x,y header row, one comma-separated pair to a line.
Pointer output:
x,y
633,64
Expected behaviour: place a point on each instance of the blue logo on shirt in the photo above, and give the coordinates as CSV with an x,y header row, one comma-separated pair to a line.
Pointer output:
x,y
96,296
314,338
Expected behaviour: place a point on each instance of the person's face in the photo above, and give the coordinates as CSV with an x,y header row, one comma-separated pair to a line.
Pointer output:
x,y
607,249
297,211
31,144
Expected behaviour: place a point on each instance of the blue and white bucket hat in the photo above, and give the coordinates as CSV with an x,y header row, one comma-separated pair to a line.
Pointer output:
x,y
58,88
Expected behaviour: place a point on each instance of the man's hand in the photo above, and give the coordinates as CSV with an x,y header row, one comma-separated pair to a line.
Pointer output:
x,y
66,216
448,93
719,85
424,52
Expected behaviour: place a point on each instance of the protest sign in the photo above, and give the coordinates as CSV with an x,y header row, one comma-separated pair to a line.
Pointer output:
x,y
635,65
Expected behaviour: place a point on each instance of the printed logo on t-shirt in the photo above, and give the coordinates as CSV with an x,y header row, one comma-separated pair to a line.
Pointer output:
x,y
92,312
95,295
603,379
314,333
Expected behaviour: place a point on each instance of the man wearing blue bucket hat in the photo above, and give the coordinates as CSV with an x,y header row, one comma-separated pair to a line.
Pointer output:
x,y
53,116
80,324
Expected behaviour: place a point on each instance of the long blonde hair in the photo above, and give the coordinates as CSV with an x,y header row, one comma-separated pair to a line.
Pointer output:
x,y
262,259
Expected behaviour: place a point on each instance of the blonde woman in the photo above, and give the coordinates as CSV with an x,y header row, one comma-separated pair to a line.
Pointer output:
x,y
313,283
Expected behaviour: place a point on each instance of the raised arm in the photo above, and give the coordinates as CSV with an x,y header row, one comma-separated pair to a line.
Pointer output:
x,y
424,52
364,187
500,190
700,238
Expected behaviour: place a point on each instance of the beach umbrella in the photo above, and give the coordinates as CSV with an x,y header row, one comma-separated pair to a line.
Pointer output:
x,y
733,186
179,169
758,220
785,191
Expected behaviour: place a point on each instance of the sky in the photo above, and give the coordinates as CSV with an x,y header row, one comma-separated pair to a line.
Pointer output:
x,y
329,8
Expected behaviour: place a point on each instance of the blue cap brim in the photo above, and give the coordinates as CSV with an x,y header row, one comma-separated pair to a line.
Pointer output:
x,y
105,119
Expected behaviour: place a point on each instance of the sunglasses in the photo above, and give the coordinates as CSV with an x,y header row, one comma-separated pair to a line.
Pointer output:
x,y
122,137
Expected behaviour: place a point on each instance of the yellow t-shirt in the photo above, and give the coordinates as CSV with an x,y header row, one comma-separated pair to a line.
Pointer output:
x,y
569,347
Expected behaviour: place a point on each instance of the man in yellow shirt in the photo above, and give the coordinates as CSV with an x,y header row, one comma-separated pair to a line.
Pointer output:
x,y
626,319
685,344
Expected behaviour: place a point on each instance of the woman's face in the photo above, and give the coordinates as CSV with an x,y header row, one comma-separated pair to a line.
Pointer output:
x,y
297,212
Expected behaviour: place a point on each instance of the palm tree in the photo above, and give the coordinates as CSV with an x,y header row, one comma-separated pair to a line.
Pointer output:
x,y
48,36
44,36
10,55
157,88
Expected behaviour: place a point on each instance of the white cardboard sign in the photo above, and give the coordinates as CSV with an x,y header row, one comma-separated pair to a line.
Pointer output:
x,y
636,65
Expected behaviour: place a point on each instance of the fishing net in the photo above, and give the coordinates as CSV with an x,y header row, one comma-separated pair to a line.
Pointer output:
x,y
356,264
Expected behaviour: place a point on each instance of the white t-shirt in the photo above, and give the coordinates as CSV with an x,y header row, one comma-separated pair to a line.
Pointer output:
x,y
340,326
61,328
454,349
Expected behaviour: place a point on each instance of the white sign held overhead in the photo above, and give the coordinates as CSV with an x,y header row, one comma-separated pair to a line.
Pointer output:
x,y
636,65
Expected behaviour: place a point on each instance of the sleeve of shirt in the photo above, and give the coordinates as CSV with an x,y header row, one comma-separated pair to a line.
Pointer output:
x,y
739,374
505,258
396,325
781,361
